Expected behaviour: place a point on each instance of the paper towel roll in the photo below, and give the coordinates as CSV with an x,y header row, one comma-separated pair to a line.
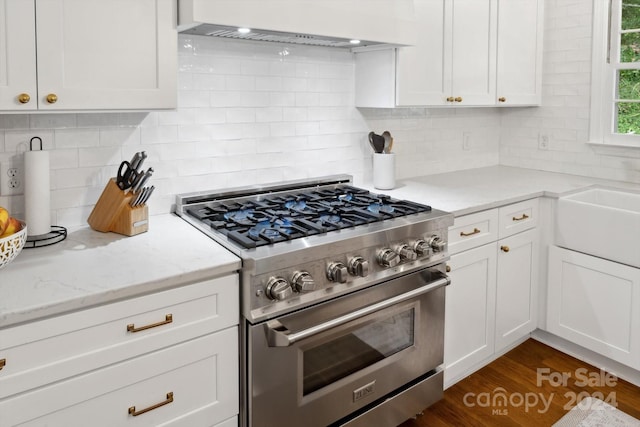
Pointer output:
x,y
37,192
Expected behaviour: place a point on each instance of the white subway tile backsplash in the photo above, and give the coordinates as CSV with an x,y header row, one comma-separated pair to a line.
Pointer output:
x,y
295,84
268,114
159,134
119,136
282,129
242,83
240,115
282,99
64,158
203,82
79,177
14,121
16,142
193,98
269,83
188,133
92,120
52,121
99,156
74,138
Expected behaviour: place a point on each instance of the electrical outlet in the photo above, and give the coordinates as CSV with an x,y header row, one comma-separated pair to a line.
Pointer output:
x,y
543,141
466,141
11,179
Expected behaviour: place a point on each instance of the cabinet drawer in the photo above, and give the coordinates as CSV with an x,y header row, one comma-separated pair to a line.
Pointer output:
x,y
49,350
518,217
201,375
470,231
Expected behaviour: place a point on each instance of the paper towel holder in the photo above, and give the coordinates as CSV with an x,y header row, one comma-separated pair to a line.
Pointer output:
x,y
31,143
57,233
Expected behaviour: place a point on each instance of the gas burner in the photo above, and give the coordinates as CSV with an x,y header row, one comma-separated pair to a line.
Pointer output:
x,y
254,221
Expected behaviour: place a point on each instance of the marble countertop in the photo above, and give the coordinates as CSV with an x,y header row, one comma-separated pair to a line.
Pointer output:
x,y
91,268
474,190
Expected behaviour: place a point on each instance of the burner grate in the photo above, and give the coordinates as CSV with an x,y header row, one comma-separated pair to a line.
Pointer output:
x,y
278,218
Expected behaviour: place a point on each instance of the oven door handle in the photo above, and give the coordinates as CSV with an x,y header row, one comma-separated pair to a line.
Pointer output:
x,y
279,336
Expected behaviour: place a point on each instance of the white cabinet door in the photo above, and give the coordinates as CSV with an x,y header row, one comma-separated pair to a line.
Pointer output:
x,y
424,70
470,311
454,60
595,303
473,51
17,55
516,292
520,27
96,54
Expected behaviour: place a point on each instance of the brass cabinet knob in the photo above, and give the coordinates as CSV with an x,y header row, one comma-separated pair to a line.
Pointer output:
x,y
450,99
448,268
458,99
52,98
23,98
504,248
502,99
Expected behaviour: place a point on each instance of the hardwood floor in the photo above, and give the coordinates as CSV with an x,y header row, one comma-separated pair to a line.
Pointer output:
x,y
540,385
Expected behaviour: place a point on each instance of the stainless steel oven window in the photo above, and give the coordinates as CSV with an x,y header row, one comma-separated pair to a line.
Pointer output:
x,y
348,353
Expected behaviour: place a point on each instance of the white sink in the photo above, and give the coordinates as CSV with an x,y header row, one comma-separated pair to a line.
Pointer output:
x,y
601,222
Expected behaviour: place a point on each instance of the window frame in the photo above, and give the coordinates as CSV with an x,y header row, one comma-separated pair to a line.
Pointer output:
x,y
604,67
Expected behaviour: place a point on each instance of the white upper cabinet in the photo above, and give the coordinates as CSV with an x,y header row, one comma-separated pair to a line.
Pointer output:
x,y
468,53
473,54
91,55
17,55
424,71
520,28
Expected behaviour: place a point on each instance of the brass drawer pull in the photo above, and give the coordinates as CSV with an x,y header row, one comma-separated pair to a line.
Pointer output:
x,y
524,216
167,319
133,412
504,248
3,363
475,231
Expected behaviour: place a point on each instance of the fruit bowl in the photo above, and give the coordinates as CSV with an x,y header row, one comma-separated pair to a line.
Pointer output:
x,y
11,246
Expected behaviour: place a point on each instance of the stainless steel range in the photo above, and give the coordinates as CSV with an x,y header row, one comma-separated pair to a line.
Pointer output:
x,y
342,300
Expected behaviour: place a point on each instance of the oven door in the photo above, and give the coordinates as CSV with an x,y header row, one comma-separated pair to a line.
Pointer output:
x,y
324,363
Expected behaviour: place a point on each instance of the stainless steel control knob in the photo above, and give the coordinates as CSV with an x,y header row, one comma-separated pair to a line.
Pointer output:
x,y
337,272
303,282
422,248
358,266
388,258
278,288
437,243
406,252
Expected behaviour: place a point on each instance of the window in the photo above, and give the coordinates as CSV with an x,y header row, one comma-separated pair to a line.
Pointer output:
x,y
615,102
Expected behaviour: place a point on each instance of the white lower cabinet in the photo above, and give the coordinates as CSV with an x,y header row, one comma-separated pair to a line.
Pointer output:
x,y
517,287
470,310
189,384
491,302
595,303
163,359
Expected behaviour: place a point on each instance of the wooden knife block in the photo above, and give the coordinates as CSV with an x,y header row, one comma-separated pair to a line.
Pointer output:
x,y
113,212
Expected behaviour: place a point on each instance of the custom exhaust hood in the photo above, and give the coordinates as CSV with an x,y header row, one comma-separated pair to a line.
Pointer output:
x,y
348,24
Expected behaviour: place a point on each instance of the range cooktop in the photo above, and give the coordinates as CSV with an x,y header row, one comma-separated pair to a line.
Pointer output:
x,y
267,219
